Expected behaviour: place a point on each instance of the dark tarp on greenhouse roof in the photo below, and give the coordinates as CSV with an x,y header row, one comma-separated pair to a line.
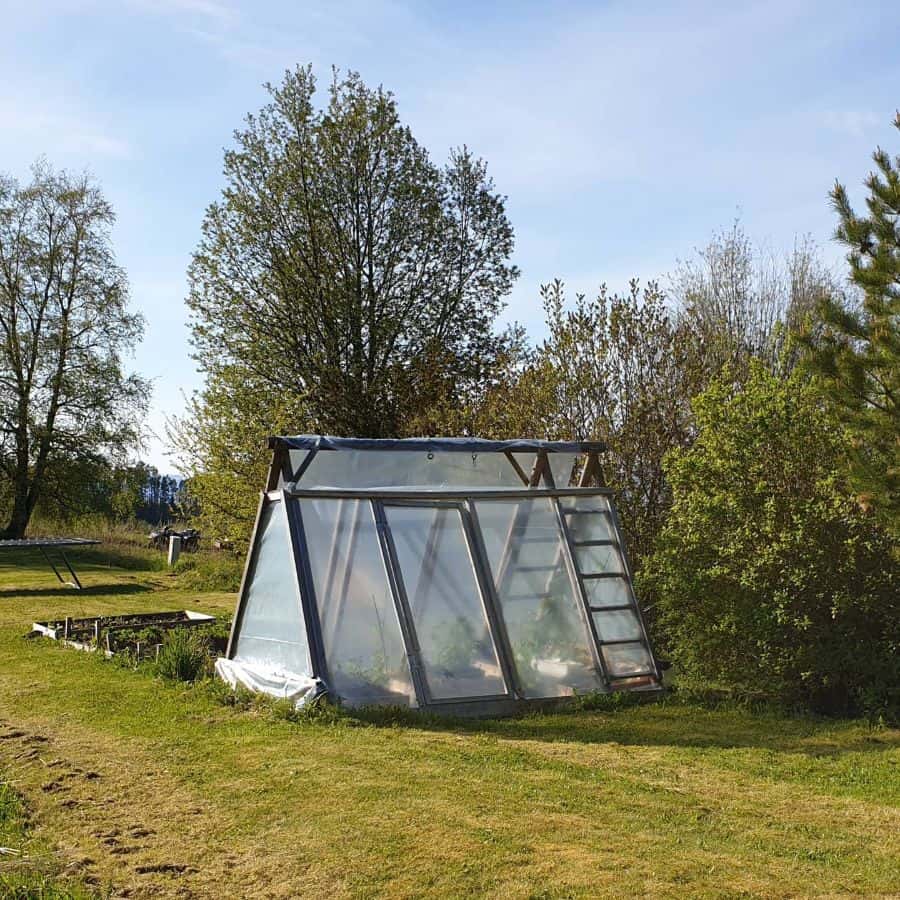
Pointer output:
x,y
434,444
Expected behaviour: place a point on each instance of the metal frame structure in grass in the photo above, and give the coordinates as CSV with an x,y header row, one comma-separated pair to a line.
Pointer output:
x,y
457,575
51,544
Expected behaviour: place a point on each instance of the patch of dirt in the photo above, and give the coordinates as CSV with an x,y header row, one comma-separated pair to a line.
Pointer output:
x,y
12,735
51,787
164,868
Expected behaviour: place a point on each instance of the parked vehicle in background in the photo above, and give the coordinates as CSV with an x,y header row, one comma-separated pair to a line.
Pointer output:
x,y
190,538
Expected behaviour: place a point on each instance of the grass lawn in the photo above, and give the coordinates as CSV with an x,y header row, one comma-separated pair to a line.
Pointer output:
x,y
128,786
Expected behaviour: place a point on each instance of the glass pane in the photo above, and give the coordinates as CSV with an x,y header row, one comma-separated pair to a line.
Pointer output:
x,y
590,526
409,468
596,560
550,640
561,466
594,503
620,625
526,463
364,649
607,591
296,458
457,649
627,659
271,631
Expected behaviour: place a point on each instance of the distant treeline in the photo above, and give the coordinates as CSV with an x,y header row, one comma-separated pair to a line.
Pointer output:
x,y
75,489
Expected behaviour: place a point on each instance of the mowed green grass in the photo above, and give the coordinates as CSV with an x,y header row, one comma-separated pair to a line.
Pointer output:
x,y
138,787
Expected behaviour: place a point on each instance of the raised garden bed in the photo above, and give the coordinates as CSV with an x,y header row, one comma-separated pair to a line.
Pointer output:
x,y
139,633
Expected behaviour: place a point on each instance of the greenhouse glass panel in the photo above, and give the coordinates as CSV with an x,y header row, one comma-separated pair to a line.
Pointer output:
x,y
594,503
550,640
624,660
271,625
526,463
364,648
599,560
296,458
617,625
590,525
561,465
445,603
363,469
607,591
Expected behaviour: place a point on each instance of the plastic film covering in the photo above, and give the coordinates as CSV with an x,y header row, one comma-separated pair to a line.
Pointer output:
x,y
457,651
271,635
363,469
364,650
544,617
435,444
300,688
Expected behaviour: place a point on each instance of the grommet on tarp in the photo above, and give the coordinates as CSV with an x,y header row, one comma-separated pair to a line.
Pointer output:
x,y
430,454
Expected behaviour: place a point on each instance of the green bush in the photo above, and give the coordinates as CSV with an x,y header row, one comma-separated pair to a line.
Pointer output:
x,y
771,579
183,655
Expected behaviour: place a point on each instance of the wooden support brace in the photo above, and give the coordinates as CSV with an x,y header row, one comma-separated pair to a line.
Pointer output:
x,y
592,471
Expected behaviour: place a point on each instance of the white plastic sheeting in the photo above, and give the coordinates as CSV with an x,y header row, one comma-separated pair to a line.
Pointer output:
x,y
277,683
272,634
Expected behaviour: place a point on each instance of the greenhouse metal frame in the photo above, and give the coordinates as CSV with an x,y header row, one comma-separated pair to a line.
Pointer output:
x,y
452,575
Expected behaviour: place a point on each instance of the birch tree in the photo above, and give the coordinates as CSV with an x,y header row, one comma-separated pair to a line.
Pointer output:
x,y
64,328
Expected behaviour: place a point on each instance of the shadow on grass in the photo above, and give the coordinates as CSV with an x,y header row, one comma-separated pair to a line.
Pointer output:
x,y
101,556
629,721
89,590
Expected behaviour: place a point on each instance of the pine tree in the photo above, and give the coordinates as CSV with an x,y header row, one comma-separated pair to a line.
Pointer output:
x,y
857,353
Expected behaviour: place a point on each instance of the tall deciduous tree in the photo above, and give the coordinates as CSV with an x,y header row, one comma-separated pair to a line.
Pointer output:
x,y
64,327
741,301
344,283
341,266
857,354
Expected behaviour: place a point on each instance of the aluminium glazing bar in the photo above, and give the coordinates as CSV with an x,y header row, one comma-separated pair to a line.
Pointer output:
x,y
242,590
306,590
457,494
497,625
401,603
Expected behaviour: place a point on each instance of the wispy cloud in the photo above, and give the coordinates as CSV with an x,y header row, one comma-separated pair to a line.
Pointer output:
x,y
70,133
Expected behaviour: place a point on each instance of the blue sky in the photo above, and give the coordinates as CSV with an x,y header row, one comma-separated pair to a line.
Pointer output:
x,y
624,134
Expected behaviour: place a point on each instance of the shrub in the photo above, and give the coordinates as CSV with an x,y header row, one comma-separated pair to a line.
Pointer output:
x,y
771,580
183,655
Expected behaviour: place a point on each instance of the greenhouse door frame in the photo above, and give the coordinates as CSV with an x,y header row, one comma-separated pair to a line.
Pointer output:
x,y
487,596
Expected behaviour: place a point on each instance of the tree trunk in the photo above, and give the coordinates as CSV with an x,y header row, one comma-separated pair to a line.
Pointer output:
x,y
21,510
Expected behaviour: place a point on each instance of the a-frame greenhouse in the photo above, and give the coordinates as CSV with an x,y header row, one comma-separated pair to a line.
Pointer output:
x,y
450,574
